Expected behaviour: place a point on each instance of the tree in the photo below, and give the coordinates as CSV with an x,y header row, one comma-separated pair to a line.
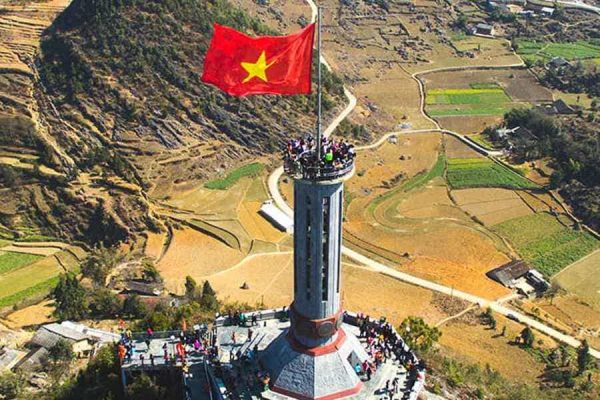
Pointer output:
x,y
528,337
70,298
104,304
98,265
62,351
461,22
209,301
583,357
60,356
418,335
144,388
100,380
11,385
190,288
150,272
134,308
553,291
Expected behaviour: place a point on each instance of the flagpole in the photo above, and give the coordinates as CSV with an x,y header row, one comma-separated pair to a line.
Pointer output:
x,y
319,89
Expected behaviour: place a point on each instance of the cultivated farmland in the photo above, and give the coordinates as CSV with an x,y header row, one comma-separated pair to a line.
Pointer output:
x,y
582,278
10,260
467,102
31,275
544,51
546,242
482,172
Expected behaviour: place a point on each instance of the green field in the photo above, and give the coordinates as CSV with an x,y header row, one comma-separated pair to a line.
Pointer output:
x,y
10,261
482,99
249,170
482,172
467,96
546,243
28,275
545,51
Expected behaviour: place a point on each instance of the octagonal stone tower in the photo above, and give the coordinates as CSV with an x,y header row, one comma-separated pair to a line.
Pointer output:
x,y
314,358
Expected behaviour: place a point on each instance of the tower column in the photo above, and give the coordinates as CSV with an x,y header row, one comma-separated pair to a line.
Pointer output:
x,y
316,313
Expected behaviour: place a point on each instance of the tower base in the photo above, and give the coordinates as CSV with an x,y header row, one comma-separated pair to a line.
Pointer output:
x,y
314,374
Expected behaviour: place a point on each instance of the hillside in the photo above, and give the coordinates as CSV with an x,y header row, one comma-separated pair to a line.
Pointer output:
x,y
125,116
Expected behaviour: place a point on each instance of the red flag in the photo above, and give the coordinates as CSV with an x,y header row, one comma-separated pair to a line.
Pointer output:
x,y
241,65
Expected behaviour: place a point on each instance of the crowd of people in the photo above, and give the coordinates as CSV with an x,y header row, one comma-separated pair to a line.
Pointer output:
x,y
300,156
384,343
180,346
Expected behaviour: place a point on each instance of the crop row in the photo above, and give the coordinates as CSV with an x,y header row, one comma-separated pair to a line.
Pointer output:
x,y
485,174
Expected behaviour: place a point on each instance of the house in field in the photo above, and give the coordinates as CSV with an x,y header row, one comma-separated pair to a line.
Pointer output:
x,y
484,30
143,288
558,64
518,275
547,11
82,338
558,107
48,335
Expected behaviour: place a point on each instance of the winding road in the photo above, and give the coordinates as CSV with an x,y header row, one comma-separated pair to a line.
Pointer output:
x,y
273,186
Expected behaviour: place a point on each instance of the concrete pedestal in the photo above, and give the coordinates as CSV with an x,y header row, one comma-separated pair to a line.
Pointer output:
x,y
323,373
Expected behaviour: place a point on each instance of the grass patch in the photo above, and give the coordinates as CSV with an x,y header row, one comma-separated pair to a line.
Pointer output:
x,y
38,289
250,170
467,96
545,243
481,99
10,261
483,172
579,50
416,181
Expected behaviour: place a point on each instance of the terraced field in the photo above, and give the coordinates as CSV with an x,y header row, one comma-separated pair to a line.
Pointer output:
x,y
10,260
483,172
24,275
468,102
544,51
546,242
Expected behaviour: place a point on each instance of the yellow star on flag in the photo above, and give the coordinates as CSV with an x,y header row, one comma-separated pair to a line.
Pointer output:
x,y
257,69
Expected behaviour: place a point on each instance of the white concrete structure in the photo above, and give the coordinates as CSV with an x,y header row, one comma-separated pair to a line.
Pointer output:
x,y
277,217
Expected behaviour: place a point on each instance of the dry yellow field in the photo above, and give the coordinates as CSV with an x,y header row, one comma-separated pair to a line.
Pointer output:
x,y
37,314
154,245
195,254
582,278
457,149
477,344
490,205
268,276
256,225
376,166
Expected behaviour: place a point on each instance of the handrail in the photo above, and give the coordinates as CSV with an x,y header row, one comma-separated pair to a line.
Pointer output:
x,y
318,173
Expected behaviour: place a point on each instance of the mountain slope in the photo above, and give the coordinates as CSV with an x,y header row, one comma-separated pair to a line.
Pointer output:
x,y
126,117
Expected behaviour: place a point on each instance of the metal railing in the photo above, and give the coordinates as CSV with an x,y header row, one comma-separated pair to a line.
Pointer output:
x,y
298,170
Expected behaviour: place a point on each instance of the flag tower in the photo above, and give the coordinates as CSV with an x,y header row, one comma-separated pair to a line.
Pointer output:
x,y
315,357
